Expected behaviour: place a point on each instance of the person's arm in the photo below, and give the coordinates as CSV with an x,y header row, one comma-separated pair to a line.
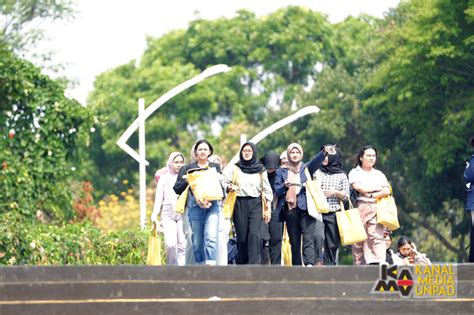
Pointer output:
x,y
267,189
385,187
268,193
382,193
181,183
315,163
375,190
227,179
160,188
280,187
469,172
345,188
341,191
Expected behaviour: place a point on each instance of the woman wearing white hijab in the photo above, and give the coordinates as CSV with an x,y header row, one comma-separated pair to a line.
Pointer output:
x,y
165,202
291,192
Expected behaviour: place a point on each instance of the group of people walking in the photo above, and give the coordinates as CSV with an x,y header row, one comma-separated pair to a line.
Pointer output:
x,y
269,192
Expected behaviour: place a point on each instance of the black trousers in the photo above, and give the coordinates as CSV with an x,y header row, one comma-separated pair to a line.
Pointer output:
x,y
275,227
247,221
300,223
332,239
264,244
318,241
471,248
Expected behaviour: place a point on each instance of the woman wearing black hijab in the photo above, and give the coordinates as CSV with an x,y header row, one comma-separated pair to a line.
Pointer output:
x,y
271,161
335,185
250,180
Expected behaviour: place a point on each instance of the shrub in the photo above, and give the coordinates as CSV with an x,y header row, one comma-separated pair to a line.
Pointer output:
x,y
24,242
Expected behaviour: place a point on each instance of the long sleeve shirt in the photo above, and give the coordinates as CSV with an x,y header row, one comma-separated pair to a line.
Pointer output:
x,y
250,185
282,175
165,197
333,181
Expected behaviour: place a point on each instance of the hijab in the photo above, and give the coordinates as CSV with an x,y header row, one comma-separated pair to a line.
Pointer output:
x,y
216,159
295,167
270,160
171,158
334,163
193,154
293,177
251,166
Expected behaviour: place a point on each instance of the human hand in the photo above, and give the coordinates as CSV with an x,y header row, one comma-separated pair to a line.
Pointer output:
x,y
330,192
267,215
330,149
157,225
232,187
203,204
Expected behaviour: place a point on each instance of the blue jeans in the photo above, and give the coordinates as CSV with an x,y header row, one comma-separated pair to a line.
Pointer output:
x,y
205,227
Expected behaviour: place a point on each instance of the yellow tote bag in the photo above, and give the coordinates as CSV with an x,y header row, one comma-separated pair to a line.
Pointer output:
x,y
349,223
229,202
387,214
286,248
205,184
181,202
314,189
153,256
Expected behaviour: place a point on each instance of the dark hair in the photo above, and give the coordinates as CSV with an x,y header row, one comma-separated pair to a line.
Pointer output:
x,y
403,240
471,141
201,141
358,162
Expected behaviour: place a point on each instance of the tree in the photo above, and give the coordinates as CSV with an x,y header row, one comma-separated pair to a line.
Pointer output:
x,y
242,95
42,132
20,20
420,98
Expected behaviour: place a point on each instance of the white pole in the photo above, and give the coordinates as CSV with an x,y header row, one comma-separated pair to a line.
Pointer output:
x,y
243,139
122,141
141,150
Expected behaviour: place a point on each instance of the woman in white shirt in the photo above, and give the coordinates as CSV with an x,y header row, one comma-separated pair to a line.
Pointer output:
x,y
251,182
370,184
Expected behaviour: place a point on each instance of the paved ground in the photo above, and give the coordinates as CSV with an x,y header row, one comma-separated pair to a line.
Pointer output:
x,y
214,290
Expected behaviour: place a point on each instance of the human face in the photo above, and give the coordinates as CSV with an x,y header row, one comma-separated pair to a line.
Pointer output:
x,y
178,162
325,161
368,159
202,152
247,152
405,250
388,242
295,155
284,163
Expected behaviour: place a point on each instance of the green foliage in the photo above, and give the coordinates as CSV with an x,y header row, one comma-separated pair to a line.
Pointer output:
x,y
271,57
25,242
42,133
421,98
19,20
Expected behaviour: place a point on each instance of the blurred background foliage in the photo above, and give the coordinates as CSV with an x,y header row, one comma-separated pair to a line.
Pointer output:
x,y
403,83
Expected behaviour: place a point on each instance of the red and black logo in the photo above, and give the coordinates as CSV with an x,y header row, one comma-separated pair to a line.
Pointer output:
x,y
393,280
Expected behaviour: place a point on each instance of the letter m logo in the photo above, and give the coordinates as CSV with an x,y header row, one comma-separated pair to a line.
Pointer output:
x,y
385,287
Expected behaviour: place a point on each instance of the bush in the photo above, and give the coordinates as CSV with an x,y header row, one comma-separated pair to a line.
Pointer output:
x,y
25,242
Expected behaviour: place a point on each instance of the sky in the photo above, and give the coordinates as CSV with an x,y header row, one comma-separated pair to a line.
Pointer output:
x,y
109,33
